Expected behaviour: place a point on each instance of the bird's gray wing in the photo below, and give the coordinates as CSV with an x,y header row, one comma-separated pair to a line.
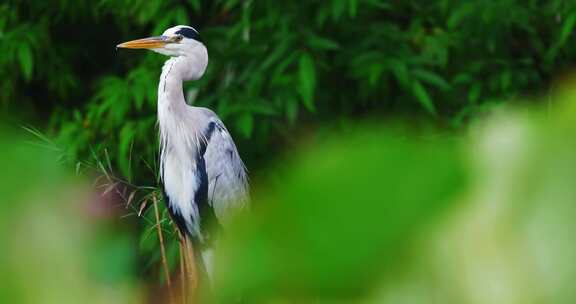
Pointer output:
x,y
227,180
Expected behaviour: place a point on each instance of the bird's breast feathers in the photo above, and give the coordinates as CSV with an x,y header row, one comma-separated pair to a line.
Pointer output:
x,y
181,183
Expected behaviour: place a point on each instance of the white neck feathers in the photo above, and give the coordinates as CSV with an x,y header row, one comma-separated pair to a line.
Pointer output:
x,y
179,125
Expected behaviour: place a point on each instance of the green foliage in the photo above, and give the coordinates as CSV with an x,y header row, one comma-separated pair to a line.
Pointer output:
x,y
394,217
307,81
381,215
340,216
273,64
57,245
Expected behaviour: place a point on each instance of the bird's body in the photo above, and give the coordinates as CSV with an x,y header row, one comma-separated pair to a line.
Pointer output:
x,y
203,177
202,173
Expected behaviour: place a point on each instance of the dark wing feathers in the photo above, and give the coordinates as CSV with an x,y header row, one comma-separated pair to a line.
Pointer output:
x,y
227,181
223,189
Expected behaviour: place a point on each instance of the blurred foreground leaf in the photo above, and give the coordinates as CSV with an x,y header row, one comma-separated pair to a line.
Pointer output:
x,y
342,215
48,234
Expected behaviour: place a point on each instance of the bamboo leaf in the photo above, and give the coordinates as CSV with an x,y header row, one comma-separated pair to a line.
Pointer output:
x,y
423,98
432,78
567,29
307,81
26,61
322,43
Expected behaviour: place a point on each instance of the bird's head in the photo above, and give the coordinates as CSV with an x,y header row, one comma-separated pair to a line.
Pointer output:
x,y
179,41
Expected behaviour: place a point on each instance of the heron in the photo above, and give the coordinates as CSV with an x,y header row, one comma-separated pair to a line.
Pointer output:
x,y
204,180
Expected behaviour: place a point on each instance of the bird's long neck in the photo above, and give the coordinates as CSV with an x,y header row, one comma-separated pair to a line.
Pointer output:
x,y
178,123
172,110
170,94
175,71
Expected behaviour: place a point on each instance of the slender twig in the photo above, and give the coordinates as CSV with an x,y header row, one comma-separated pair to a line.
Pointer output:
x,y
163,250
193,269
182,268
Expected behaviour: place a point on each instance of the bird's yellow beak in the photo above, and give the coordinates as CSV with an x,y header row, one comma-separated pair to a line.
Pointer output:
x,y
145,43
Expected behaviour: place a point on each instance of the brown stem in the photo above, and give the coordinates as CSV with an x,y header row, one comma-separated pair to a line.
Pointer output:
x,y
163,250
192,271
182,268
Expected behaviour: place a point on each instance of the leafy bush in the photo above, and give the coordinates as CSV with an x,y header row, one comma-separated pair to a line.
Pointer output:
x,y
273,64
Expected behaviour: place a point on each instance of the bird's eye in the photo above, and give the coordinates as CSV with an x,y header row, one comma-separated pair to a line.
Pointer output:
x,y
178,38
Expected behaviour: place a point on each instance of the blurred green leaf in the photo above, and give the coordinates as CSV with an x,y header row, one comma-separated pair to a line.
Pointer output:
x,y
423,98
307,81
331,227
26,60
125,150
474,93
567,29
431,78
321,43
400,71
246,124
291,110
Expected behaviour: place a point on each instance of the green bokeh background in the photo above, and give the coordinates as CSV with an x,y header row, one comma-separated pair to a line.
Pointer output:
x,y
399,151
